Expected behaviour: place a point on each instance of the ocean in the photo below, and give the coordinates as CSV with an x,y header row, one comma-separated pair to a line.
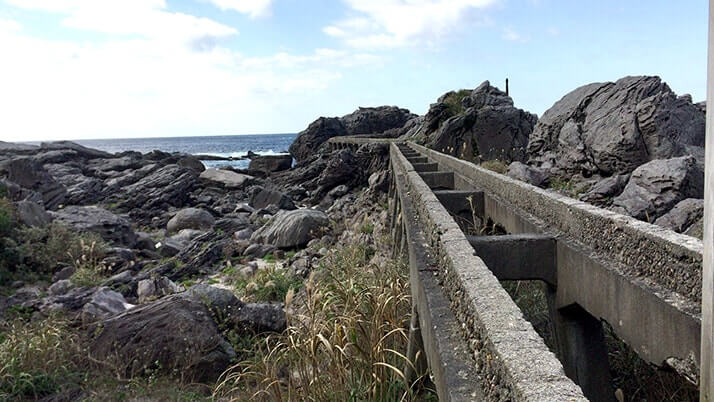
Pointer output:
x,y
234,146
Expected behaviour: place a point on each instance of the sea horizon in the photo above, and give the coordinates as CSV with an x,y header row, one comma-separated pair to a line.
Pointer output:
x,y
235,147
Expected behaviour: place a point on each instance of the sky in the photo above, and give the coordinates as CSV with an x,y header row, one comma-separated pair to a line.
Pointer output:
x,y
81,69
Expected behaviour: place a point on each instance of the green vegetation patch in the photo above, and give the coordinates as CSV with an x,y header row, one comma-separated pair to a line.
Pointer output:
x,y
454,101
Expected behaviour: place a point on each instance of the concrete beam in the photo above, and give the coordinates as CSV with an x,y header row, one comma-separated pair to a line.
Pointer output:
x,y
425,167
418,159
518,257
438,180
457,202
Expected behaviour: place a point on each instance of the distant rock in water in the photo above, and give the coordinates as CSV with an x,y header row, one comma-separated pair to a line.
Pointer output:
x,y
365,120
612,128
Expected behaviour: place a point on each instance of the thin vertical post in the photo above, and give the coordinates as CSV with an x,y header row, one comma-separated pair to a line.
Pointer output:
x,y
506,86
706,384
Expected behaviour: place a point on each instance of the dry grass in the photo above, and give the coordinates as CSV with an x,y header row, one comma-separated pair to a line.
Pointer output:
x,y
344,341
38,358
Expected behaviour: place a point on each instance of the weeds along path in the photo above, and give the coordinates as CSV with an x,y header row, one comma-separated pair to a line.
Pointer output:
x,y
347,327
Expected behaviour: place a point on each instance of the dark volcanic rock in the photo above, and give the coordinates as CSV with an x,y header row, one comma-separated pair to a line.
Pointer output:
x,y
262,197
528,174
375,120
362,121
293,228
190,218
109,226
192,163
602,192
271,163
685,214
170,185
489,128
173,333
319,131
30,175
83,151
657,186
612,128
31,214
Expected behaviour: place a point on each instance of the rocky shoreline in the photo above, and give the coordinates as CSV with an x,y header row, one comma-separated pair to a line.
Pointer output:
x,y
148,252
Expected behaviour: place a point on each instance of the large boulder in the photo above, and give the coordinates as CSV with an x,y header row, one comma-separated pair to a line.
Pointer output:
x,y
262,197
190,218
367,120
110,227
290,229
683,216
612,128
488,128
657,186
172,335
271,163
226,178
30,175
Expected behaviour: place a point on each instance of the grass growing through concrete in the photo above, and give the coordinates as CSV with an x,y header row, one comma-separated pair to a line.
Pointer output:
x,y
344,342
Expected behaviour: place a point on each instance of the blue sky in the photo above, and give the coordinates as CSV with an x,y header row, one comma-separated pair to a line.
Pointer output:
x,y
78,69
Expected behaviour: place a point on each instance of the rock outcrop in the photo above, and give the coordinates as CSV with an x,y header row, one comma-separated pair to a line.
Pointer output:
x,y
612,128
482,125
365,120
271,163
109,226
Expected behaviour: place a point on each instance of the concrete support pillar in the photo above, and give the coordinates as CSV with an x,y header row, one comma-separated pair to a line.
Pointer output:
x,y
581,347
706,387
417,365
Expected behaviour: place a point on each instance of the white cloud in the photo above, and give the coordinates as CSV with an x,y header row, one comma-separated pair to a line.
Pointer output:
x,y
394,23
145,18
254,8
146,81
512,35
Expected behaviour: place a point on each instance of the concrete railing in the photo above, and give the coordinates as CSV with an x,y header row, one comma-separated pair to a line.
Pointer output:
x,y
509,360
645,281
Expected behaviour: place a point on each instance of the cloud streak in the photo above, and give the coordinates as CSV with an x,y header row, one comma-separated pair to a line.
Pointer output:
x,y
384,24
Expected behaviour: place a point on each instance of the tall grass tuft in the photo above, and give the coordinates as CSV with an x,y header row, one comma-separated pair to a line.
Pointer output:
x,y
345,337
38,358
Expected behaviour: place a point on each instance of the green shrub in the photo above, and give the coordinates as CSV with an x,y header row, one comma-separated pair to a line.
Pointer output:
x,y
454,101
269,284
367,228
7,217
